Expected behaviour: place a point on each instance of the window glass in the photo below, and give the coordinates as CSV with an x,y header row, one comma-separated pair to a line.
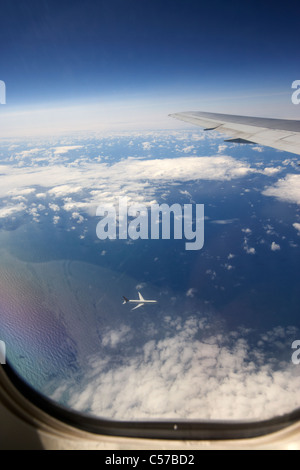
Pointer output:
x,y
218,342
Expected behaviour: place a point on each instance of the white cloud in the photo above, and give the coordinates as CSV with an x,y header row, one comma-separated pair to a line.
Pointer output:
x,y
84,185
199,137
146,146
140,286
54,207
297,227
113,338
229,267
29,153
184,168
19,198
185,193
64,190
223,222
191,292
188,149
70,206
271,171
190,374
211,273
222,147
275,247
98,183
286,189
66,149
249,250
21,192
9,210
78,217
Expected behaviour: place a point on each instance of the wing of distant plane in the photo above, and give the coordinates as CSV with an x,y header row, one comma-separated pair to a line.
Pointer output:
x,y
141,297
281,134
139,305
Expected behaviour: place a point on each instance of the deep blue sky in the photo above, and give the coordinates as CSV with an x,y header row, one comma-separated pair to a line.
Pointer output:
x,y
74,51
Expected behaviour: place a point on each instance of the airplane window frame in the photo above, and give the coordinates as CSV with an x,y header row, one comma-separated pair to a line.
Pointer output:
x,y
164,429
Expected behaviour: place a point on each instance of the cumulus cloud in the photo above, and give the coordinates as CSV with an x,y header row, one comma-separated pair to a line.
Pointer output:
x,y
270,171
79,218
140,286
21,192
66,149
113,338
211,273
184,168
188,149
146,145
223,222
64,190
191,292
229,267
81,185
249,250
286,189
275,247
97,182
28,153
297,227
222,147
189,374
54,207
9,210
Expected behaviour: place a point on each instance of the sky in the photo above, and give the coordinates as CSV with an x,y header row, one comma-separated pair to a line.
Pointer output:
x,y
92,63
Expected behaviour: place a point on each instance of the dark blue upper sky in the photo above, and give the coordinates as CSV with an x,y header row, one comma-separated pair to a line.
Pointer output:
x,y
73,49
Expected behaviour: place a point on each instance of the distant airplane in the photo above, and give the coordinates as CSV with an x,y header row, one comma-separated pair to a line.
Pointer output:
x,y
140,302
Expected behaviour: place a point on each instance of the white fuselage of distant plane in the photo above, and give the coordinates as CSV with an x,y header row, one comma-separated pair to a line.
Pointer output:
x,y
141,301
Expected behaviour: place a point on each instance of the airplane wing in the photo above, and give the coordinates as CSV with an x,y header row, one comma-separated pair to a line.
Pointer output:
x,y
139,305
281,134
141,297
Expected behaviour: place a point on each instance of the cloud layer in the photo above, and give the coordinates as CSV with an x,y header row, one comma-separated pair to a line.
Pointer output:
x,y
68,177
286,189
191,373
